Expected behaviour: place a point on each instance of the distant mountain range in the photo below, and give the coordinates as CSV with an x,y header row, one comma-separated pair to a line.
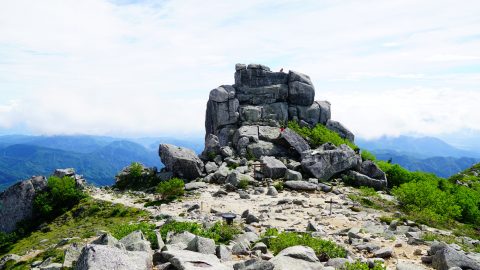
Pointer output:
x,y
98,158
421,154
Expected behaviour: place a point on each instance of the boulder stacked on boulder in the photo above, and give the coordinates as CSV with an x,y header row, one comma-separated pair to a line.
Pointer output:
x,y
247,121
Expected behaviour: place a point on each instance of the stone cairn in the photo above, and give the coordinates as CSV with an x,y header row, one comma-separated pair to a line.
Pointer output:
x,y
248,121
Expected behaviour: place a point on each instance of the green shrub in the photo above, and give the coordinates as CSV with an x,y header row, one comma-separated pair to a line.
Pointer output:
x,y
436,201
278,186
148,229
219,232
60,195
396,174
320,135
137,178
364,266
243,183
366,155
324,249
171,189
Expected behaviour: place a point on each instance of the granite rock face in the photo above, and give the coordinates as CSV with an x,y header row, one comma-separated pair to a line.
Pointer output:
x,y
16,203
249,115
181,161
328,160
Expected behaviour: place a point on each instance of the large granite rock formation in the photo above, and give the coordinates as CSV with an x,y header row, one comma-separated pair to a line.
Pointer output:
x,y
16,203
261,102
247,120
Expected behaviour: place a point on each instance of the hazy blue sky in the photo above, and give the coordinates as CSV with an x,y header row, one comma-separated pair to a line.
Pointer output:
x,y
144,68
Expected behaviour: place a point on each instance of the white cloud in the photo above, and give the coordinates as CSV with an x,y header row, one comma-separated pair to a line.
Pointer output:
x,y
146,68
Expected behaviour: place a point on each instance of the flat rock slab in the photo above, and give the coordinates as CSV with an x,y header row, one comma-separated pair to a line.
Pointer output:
x,y
100,257
295,140
189,260
300,185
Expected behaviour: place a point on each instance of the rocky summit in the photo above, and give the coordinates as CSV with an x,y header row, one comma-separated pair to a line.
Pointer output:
x,y
249,120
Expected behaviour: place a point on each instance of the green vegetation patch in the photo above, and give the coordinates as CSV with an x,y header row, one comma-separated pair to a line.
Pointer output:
x,y
148,229
324,249
319,135
60,195
366,155
84,220
364,266
171,189
220,232
368,197
137,178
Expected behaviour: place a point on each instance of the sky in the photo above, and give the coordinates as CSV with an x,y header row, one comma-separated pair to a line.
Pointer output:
x,y
145,68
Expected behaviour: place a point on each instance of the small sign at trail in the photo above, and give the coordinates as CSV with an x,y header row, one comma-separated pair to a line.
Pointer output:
x,y
258,169
331,202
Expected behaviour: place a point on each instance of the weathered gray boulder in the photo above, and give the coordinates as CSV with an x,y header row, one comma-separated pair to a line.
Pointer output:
x,y
340,129
297,258
181,240
72,253
269,134
273,167
445,257
300,89
183,162
328,160
222,111
325,111
136,241
109,240
263,148
309,114
301,185
370,169
254,264
258,76
190,260
293,175
363,180
16,202
296,141
262,95
212,147
102,257
202,245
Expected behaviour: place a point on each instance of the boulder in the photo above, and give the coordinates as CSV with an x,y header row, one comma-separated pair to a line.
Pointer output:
x,y
259,76
72,253
370,169
16,202
263,148
183,162
309,114
189,260
212,147
108,240
270,134
446,257
220,115
325,112
102,257
253,264
328,160
195,185
293,175
340,129
296,141
363,180
273,168
300,93
202,245
250,132
300,185
181,240
136,241
223,253
296,258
